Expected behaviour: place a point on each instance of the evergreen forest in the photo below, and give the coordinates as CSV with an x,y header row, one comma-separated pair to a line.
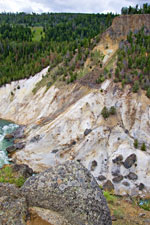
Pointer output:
x,y
30,42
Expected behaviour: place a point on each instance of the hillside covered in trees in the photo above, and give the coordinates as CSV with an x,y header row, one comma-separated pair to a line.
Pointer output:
x,y
30,42
133,65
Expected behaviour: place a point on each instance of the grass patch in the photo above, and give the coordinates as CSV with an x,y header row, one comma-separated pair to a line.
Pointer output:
x,y
118,213
97,56
110,64
37,33
7,176
83,72
110,198
145,204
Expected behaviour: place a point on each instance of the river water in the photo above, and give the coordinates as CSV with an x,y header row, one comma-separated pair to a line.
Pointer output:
x,y
5,128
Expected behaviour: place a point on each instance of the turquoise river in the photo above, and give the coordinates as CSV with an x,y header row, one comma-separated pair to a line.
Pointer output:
x,y
5,128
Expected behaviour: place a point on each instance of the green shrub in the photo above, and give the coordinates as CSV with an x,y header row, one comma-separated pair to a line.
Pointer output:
x,y
143,147
7,176
112,110
109,75
20,181
109,197
135,143
148,93
105,112
123,83
101,79
135,87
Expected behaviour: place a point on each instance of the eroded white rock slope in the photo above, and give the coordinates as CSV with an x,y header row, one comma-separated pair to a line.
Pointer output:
x,y
66,123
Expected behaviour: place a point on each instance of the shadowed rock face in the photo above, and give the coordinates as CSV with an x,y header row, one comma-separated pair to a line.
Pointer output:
x,y
70,190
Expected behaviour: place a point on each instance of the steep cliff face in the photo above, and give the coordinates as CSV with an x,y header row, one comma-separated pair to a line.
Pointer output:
x,y
104,146
65,122
18,102
122,25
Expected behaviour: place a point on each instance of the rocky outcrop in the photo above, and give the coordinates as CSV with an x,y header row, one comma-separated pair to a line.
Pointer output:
x,y
130,160
108,186
122,25
22,170
18,146
71,191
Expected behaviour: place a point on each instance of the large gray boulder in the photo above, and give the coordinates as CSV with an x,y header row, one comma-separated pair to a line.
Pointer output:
x,y
13,207
70,190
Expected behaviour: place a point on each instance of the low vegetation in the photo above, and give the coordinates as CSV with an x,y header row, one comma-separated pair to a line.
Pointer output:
x,y
110,198
7,176
108,112
127,210
136,143
145,204
143,147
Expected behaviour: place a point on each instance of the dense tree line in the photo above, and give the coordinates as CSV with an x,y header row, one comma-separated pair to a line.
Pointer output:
x,y
77,27
136,10
67,39
51,19
15,33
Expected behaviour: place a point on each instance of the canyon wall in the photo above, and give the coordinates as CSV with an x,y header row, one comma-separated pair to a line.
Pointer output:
x,y
65,123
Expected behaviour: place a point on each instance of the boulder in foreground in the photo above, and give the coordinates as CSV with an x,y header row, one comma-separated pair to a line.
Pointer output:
x,y
70,190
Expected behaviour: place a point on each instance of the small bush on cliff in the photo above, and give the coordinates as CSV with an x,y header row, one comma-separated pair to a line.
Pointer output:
x,y
143,147
112,110
105,112
136,87
7,176
136,143
148,93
